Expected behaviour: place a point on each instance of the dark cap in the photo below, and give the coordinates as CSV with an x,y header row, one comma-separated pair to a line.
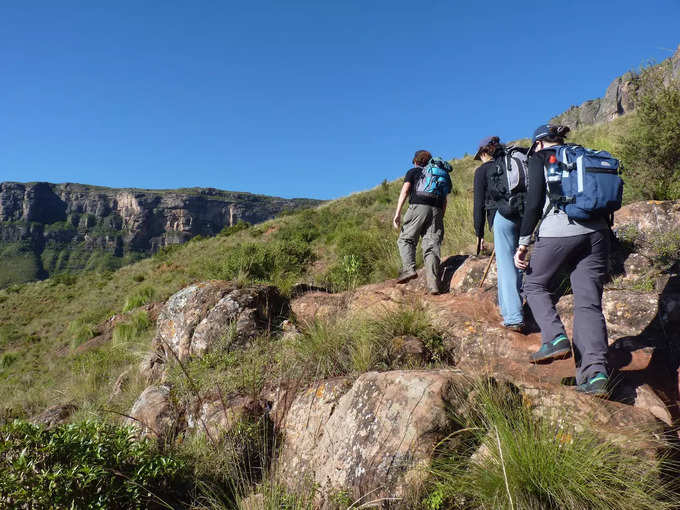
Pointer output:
x,y
541,132
483,143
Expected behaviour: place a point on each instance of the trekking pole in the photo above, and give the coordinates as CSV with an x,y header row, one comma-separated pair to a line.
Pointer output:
x,y
488,266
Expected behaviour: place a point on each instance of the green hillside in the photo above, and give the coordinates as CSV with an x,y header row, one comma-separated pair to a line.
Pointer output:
x,y
344,243
79,339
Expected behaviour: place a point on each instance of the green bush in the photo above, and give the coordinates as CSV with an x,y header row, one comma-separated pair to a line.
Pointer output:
x,y
84,465
651,148
130,330
502,456
139,298
233,229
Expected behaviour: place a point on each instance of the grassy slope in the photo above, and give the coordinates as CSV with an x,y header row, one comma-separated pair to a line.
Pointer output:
x,y
345,242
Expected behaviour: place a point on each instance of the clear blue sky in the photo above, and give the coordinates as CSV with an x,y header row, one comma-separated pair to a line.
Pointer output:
x,y
295,98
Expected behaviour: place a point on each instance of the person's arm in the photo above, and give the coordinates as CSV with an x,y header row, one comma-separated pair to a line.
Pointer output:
x,y
533,209
535,200
479,204
405,189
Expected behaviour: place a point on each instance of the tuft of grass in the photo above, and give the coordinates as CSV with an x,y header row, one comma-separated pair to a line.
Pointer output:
x,y
81,331
139,298
502,456
132,329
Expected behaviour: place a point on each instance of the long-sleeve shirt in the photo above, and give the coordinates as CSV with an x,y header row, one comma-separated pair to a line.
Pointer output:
x,y
555,224
480,199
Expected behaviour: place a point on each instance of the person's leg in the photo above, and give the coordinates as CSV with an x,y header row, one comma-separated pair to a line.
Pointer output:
x,y
548,256
432,242
505,236
590,328
408,237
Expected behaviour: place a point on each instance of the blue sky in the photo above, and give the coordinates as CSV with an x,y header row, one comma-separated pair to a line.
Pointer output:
x,y
296,98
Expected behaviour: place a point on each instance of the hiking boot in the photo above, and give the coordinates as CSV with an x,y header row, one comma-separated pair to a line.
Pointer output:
x,y
406,275
517,328
558,348
597,386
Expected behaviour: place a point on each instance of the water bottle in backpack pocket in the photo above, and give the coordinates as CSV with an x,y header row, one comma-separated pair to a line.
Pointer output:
x,y
589,184
434,181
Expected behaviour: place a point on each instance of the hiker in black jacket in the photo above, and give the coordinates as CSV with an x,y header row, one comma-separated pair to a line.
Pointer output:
x,y
506,233
578,247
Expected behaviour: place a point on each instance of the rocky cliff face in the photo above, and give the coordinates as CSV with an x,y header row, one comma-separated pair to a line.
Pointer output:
x,y
59,226
618,100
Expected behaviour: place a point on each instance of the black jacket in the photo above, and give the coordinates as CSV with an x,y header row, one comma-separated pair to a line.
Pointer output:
x,y
481,198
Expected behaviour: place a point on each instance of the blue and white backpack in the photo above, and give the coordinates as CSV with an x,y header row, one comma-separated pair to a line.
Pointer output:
x,y
434,180
588,183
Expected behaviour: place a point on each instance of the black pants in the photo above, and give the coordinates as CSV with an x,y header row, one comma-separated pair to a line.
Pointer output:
x,y
584,257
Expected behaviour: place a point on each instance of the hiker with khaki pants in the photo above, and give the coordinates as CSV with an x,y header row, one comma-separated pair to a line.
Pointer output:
x,y
426,185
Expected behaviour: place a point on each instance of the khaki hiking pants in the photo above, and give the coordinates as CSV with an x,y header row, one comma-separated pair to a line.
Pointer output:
x,y
427,222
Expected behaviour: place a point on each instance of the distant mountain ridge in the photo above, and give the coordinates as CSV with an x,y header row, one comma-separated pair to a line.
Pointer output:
x,y
48,228
618,99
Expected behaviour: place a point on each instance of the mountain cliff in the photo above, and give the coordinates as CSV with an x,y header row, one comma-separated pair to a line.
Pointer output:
x,y
618,99
48,228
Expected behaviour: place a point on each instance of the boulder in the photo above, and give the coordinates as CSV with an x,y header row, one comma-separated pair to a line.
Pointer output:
x,y
154,415
54,415
199,317
219,416
627,312
645,224
372,437
470,274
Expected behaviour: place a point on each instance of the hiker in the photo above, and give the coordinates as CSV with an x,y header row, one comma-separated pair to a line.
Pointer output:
x,y
579,247
426,185
491,196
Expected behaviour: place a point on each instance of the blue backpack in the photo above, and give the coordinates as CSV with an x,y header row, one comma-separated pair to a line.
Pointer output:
x,y
434,180
585,183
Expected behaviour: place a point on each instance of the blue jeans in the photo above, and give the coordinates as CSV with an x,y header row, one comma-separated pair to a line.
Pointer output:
x,y
506,238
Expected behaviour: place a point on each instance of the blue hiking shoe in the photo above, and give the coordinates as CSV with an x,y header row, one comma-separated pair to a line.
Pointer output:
x,y
597,386
558,348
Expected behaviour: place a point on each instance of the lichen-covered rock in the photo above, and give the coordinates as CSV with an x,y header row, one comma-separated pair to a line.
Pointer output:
x,y
201,316
469,275
219,416
55,415
153,413
627,312
372,437
648,225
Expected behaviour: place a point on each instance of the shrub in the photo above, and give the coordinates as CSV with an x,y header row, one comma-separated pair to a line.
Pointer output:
x,y
81,330
139,298
85,465
233,229
131,330
651,148
502,456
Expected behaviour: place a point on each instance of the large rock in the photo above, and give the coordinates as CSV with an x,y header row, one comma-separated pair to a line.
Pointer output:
x,y
469,275
199,317
215,417
647,223
371,437
153,414
54,415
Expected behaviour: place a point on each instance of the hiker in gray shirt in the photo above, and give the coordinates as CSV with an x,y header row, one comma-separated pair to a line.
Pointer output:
x,y
579,247
427,186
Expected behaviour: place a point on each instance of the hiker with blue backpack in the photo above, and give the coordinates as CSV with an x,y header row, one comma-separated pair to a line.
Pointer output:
x,y
573,193
426,185
499,192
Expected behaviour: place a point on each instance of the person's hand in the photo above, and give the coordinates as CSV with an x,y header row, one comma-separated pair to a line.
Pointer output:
x,y
396,221
521,257
482,246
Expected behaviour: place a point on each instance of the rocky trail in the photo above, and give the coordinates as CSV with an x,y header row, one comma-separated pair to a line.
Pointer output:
x,y
372,433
